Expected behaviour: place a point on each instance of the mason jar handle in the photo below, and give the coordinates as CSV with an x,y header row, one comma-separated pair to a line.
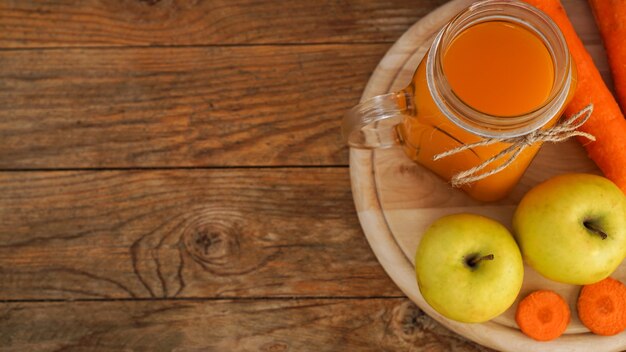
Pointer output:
x,y
373,123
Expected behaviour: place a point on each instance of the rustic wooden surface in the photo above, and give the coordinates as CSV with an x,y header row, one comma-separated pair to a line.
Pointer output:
x,y
172,178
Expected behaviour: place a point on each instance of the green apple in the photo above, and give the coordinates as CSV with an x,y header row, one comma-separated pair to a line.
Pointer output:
x,y
572,228
468,267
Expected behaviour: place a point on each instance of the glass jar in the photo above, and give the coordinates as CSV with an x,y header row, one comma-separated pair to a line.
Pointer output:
x,y
428,118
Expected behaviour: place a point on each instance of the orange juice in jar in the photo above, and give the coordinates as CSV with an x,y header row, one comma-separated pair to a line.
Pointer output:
x,y
499,69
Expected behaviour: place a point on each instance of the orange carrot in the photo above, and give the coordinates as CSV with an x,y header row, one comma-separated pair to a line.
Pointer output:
x,y
543,315
607,123
602,307
610,16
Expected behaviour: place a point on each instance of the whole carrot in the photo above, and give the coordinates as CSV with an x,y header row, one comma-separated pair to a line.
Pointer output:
x,y
610,17
607,123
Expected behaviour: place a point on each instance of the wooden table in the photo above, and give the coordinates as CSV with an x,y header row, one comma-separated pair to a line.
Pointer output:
x,y
173,178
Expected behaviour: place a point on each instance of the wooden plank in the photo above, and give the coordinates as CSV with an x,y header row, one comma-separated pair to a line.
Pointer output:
x,y
169,107
248,325
37,23
183,233
155,107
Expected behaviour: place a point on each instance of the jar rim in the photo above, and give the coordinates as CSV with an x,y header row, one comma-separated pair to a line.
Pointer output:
x,y
478,122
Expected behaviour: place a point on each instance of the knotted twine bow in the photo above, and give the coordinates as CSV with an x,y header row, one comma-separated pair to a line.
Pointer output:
x,y
557,133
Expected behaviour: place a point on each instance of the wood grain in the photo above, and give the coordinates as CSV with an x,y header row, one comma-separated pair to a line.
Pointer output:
x,y
183,233
171,107
192,22
249,325
241,259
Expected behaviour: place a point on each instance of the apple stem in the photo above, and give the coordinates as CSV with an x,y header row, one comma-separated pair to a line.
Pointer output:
x,y
592,227
474,260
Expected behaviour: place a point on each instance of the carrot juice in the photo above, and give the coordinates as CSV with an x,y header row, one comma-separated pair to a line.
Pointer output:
x,y
496,74
497,68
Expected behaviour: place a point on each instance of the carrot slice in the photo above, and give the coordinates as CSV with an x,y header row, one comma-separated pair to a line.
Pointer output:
x,y
607,122
602,307
610,15
543,315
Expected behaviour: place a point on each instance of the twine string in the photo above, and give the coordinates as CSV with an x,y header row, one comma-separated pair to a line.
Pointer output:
x,y
557,133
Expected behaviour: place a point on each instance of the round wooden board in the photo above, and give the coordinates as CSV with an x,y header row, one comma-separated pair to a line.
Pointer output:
x,y
396,199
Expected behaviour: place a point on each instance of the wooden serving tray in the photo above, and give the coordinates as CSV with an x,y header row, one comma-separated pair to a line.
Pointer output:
x,y
396,199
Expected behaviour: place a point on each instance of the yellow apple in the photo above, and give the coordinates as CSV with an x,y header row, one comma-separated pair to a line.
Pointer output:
x,y
572,228
468,267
